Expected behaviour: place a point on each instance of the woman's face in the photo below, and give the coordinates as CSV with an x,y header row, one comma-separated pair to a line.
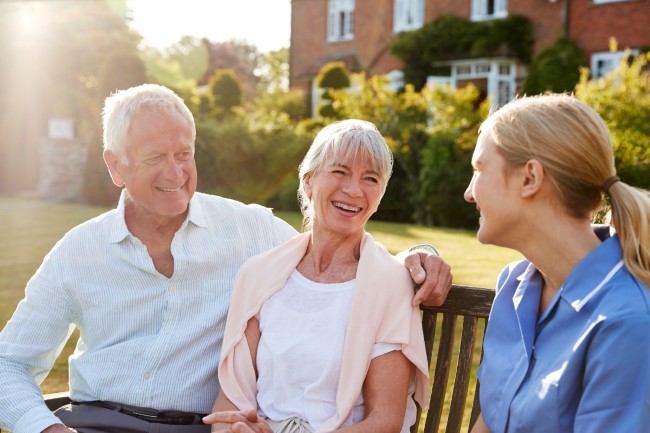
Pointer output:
x,y
494,196
344,195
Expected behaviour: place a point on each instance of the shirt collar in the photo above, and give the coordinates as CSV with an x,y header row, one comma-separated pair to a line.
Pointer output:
x,y
118,231
593,273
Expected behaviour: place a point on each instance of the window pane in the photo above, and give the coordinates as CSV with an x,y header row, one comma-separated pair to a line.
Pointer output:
x,y
483,68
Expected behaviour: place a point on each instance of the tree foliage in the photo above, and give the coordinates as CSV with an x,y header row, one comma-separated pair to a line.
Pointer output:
x,y
450,38
332,76
247,157
274,71
555,68
180,66
61,59
240,57
431,133
622,98
225,91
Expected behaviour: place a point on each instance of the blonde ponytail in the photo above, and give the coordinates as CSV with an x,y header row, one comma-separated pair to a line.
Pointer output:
x,y
631,219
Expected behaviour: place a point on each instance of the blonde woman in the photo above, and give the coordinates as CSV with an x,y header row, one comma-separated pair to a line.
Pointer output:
x,y
567,348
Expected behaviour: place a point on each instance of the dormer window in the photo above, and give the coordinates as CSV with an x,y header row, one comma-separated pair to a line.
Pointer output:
x,y
483,10
408,15
340,20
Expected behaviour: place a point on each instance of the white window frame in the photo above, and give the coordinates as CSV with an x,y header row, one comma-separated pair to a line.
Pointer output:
x,y
483,10
407,15
340,20
604,62
598,2
500,74
395,80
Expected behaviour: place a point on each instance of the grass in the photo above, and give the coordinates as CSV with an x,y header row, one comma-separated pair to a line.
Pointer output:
x,y
31,228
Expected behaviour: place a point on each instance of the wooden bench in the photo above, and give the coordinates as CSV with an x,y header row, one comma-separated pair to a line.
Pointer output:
x,y
472,305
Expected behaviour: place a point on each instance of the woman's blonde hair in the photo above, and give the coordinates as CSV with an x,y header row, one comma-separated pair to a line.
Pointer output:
x,y
343,141
574,146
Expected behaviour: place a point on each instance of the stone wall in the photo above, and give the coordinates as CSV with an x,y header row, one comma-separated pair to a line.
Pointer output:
x,y
62,164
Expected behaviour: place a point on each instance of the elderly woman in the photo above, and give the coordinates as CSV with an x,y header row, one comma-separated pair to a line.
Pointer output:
x,y
322,335
567,347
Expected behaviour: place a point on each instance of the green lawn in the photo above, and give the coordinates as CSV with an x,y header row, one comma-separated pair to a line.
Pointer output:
x,y
30,228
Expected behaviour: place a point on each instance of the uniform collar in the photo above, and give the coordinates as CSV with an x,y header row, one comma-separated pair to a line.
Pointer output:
x,y
593,273
589,276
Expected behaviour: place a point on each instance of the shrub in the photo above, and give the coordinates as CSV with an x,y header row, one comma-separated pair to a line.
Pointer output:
x,y
432,134
226,92
247,157
332,76
555,68
622,98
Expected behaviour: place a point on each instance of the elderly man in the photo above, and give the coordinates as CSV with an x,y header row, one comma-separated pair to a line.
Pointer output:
x,y
148,285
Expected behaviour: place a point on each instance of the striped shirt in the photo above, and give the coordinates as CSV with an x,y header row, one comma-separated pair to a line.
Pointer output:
x,y
145,339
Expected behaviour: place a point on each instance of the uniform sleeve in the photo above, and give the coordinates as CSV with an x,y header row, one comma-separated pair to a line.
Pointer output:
x,y
29,345
616,393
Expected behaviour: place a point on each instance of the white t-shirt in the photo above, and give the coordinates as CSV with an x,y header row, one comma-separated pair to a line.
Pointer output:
x,y
303,329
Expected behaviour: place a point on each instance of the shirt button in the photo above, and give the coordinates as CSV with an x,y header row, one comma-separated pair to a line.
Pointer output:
x,y
147,376
172,289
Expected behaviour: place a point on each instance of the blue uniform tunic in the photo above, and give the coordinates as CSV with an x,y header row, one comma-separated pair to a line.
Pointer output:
x,y
581,366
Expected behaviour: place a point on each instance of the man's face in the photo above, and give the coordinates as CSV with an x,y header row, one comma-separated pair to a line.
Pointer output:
x,y
160,173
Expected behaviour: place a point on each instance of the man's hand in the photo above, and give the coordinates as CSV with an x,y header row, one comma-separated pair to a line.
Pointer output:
x,y
431,275
240,422
59,428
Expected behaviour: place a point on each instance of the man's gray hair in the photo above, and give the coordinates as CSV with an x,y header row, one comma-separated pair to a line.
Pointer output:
x,y
121,106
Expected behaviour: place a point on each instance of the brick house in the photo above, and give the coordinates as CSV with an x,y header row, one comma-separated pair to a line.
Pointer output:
x,y
358,32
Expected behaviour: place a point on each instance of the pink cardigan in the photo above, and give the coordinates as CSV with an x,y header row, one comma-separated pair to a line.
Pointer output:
x,y
381,312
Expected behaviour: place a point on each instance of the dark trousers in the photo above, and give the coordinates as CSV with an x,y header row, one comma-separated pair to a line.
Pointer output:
x,y
92,419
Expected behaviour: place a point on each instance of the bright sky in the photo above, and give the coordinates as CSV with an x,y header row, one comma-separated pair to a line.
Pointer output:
x,y
263,23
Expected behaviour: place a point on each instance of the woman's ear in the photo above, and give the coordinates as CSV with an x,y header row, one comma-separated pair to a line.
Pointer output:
x,y
306,184
533,178
114,168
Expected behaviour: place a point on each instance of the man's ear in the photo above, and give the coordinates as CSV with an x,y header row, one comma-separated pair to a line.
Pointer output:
x,y
114,168
532,179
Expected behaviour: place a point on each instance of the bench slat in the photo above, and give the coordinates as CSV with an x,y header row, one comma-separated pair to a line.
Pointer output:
x,y
476,405
441,375
463,374
473,304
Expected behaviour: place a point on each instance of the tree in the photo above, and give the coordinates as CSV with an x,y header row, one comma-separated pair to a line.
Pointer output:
x,y
225,91
274,71
622,98
181,65
446,158
240,57
56,58
248,156
332,76
555,68
432,134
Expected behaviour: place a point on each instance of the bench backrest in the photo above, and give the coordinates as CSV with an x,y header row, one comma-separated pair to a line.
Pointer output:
x,y
473,305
